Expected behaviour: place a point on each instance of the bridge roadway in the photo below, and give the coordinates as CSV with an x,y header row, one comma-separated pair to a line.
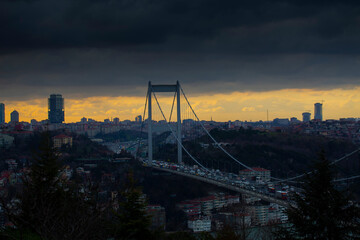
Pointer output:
x,y
224,185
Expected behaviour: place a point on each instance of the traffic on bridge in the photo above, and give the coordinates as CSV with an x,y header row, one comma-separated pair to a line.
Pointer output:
x,y
254,186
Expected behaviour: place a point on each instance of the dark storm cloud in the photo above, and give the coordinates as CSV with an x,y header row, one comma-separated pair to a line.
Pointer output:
x,y
110,47
99,72
320,26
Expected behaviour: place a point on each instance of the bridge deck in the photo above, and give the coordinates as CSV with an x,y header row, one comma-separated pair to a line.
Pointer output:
x,y
227,186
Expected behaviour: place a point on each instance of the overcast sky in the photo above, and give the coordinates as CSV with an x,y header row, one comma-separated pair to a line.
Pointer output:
x,y
112,48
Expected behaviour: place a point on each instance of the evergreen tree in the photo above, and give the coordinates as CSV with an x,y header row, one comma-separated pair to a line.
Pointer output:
x,y
205,236
227,233
50,206
180,236
131,219
321,211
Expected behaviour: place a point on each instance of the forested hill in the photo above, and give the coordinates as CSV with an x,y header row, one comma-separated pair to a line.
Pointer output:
x,y
283,153
122,136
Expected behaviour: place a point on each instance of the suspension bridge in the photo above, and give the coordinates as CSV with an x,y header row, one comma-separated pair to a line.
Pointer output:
x,y
192,137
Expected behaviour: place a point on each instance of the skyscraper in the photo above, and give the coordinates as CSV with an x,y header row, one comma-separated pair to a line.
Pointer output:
x,y
2,113
14,116
318,111
56,108
306,116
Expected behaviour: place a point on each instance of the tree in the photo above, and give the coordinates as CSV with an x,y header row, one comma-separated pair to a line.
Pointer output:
x,y
50,206
131,220
321,211
180,236
227,233
205,236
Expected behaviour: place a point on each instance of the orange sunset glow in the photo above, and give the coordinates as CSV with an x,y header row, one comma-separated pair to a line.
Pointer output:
x,y
250,106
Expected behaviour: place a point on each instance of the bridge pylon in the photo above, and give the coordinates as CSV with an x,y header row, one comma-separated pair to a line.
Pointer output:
x,y
164,88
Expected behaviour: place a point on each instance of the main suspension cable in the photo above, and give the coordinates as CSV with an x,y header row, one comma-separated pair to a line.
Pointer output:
x,y
175,134
244,165
227,153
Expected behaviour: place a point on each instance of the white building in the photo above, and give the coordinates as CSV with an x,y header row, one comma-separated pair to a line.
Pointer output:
x,y
200,224
261,214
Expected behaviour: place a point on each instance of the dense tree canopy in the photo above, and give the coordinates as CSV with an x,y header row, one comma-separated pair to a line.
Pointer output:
x,y
51,207
321,211
131,220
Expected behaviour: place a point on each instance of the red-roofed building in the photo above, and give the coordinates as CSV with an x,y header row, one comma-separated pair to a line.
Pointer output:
x,y
62,139
191,208
260,173
204,205
235,219
6,174
207,204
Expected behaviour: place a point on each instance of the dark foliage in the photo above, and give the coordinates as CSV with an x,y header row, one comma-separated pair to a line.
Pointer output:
x,y
285,154
122,136
228,233
321,211
180,236
131,221
51,207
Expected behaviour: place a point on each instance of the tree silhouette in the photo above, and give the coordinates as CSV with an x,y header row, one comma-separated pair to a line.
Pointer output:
x,y
321,211
50,206
131,220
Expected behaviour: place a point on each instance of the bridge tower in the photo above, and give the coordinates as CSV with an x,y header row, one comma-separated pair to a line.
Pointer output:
x,y
164,88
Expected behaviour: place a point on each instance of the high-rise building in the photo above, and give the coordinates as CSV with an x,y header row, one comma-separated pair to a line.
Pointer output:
x,y
138,119
56,108
2,113
318,112
14,116
116,120
306,116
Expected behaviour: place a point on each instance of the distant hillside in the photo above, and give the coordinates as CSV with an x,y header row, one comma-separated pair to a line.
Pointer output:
x,y
121,136
283,153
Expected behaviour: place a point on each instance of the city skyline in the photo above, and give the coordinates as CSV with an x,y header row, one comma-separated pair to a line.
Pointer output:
x,y
249,106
